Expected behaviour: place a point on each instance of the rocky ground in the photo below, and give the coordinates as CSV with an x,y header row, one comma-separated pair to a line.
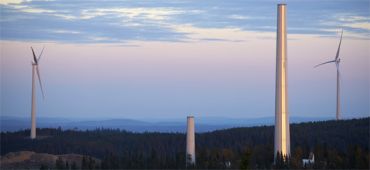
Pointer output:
x,y
32,160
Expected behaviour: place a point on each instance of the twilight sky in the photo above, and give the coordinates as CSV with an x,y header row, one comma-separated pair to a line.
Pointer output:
x,y
168,59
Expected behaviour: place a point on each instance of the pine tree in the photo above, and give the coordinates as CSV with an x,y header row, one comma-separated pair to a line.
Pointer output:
x,y
74,166
59,164
84,164
244,164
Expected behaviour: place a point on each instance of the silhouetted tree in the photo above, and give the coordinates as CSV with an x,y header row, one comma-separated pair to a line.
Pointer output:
x,y
73,166
336,144
59,164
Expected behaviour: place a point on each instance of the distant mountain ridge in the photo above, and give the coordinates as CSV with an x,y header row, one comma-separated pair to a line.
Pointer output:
x,y
203,124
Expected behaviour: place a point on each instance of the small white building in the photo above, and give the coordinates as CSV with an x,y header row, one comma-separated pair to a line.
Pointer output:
x,y
309,161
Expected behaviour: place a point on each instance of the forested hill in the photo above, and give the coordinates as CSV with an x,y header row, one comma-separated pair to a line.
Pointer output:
x,y
336,144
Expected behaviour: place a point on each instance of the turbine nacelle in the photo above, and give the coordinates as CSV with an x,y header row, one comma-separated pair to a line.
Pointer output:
x,y
36,60
336,59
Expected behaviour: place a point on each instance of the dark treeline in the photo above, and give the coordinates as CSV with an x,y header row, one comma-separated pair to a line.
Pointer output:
x,y
336,144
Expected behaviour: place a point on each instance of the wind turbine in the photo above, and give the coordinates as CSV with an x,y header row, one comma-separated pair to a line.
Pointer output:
x,y
336,61
35,72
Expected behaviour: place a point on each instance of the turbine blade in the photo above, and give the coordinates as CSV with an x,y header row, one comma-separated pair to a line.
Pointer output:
x,y
34,56
340,42
41,54
324,63
38,76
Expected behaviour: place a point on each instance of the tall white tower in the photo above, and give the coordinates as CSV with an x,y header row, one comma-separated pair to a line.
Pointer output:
x,y
190,141
282,135
35,73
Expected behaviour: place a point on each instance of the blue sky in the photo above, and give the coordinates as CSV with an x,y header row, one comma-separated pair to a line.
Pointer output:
x,y
73,21
146,59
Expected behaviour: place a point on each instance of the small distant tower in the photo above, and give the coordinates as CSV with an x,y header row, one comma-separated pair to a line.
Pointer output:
x,y
190,142
33,105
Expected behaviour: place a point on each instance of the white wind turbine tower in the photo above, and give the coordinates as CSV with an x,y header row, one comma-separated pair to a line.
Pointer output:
x,y
190,142
336,61
35,72
282,129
